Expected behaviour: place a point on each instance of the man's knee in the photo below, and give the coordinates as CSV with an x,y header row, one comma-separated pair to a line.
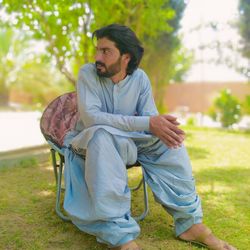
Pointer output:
x,y
125,147
102,136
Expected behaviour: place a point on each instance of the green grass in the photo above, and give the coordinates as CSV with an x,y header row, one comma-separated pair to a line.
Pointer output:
x,y
221,166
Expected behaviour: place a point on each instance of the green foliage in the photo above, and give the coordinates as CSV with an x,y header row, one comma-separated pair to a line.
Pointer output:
x,y
10,60
226,109
191,121
165,58
66,27
212,113
246,105
244,30
46,79
24,70
162,108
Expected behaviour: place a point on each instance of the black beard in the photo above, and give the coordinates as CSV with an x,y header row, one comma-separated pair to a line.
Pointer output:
x,y
109,72
105,74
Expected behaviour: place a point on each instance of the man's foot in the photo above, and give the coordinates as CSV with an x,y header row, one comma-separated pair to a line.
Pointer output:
x,y
201,235
131,245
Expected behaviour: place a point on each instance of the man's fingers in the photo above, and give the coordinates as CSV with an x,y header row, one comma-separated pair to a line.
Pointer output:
x,y
170,142
170,117
172,137
176,129
175,123
179,131
175,132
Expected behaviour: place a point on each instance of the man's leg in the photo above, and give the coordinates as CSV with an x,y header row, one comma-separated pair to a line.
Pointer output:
x,y
169,174
97,196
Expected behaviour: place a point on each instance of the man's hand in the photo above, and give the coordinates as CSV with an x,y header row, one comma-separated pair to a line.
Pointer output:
x,y
165,128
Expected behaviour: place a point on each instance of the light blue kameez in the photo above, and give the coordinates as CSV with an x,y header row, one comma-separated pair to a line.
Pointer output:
x,y
114,131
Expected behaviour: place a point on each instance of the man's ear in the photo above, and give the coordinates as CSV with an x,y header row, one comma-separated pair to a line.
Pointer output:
x,y
127,57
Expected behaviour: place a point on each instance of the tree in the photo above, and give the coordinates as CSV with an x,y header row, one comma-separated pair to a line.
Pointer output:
x,y
4,63
40,81
21,70
167,60
12,54
244,30
226,108
66,27
246,105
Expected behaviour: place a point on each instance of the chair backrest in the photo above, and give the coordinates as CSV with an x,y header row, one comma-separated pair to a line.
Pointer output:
x,y
59,117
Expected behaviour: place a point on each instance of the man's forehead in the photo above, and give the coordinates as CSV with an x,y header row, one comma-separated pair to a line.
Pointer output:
x,y
105,43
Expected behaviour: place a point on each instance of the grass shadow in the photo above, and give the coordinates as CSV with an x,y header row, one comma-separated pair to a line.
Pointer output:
x,y
224,195
236,175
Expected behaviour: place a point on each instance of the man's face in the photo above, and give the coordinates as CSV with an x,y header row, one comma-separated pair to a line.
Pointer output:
x,y
108,58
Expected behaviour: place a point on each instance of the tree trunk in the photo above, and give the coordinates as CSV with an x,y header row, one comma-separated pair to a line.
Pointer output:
x,y
4,98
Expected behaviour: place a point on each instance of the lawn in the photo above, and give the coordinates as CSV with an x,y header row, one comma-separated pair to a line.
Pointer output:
x,y
221,166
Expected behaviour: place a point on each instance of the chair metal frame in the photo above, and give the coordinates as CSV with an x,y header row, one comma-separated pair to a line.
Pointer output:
x,y
58,167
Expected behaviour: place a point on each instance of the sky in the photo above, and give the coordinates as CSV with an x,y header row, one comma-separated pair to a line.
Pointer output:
x,y
203,12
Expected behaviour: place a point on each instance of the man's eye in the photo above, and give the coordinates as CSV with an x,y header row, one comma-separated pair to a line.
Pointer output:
x,y
106,52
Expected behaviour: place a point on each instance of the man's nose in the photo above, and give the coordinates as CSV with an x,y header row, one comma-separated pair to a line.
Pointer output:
x,y
98,56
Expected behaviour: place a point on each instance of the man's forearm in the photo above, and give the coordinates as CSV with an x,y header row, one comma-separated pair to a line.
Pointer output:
x,y
126,123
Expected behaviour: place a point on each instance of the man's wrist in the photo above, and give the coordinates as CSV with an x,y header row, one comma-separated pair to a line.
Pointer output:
x,y
142,123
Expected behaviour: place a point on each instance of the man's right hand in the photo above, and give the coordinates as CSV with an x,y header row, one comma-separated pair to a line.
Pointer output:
x,y
165,128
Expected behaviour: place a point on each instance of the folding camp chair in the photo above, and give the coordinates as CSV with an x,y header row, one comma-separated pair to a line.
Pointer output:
x,y
60,117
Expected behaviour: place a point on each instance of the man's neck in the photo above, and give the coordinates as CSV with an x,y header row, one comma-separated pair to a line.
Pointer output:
x,y
118,77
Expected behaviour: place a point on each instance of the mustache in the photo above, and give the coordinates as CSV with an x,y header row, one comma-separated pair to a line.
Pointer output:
x,y
100,64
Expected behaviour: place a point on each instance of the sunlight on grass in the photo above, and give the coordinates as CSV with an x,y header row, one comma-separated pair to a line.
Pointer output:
x,y
45,193
49,168
214,188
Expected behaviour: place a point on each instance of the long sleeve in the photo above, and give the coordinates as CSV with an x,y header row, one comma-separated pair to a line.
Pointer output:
x,y
90,105
146,105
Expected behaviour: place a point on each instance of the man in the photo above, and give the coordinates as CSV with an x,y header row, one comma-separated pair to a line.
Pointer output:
x,y
119,124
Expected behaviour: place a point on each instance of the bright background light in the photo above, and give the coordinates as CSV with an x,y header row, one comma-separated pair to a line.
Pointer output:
x,y
201,12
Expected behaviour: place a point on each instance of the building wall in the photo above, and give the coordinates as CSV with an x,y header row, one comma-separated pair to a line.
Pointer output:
x,y
198,97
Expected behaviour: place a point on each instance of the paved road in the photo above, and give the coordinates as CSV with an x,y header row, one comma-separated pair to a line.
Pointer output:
x,y
19,130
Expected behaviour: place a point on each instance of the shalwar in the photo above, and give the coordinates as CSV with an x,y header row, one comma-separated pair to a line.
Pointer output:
x,y
113,130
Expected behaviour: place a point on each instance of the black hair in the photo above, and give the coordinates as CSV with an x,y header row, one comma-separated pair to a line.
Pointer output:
x,y
125,40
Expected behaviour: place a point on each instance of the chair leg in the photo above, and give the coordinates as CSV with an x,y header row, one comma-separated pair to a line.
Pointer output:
x,y
145,193
58,177
55,166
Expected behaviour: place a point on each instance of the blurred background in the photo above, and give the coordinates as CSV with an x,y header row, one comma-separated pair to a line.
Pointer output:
x,y
196,54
